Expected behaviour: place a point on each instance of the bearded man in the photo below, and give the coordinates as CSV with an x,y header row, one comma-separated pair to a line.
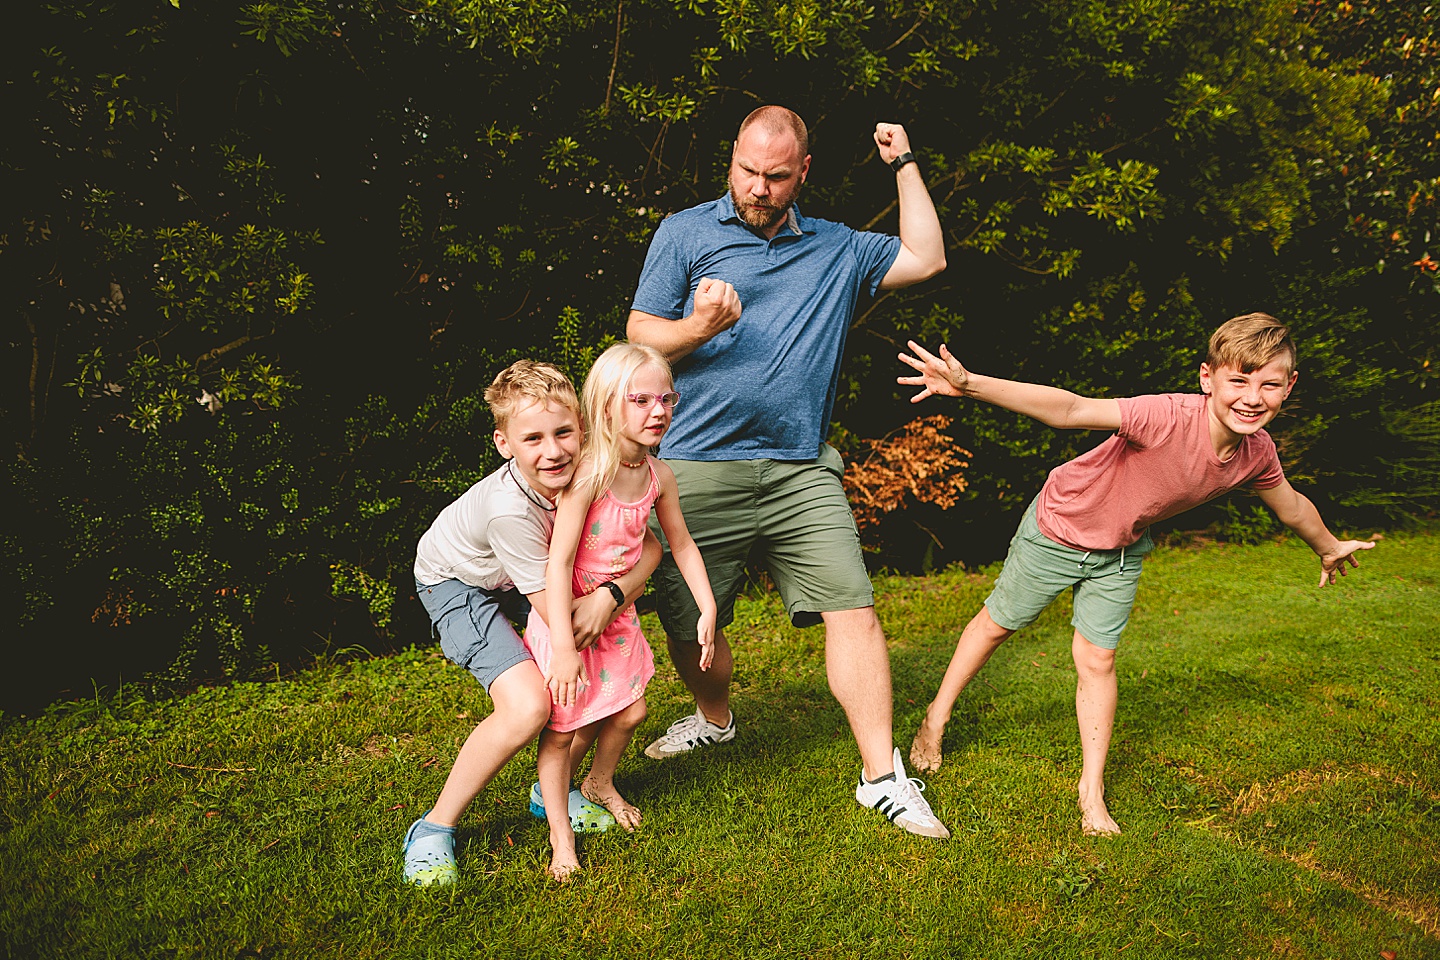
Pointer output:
x,y
751,301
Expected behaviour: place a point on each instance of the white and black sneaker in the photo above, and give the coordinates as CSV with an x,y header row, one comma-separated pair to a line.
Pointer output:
x,y
898,797
690,732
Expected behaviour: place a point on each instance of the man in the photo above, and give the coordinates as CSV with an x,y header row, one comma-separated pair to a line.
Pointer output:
x,y
747,444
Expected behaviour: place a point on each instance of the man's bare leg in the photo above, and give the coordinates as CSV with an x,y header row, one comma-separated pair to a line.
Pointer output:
x,y
857,665
711,687
522,708
1096,693
981,637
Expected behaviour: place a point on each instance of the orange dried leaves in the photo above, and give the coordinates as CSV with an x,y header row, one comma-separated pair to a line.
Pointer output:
x,y
919,460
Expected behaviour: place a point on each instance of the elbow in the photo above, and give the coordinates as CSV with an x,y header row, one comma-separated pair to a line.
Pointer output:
x,y
936,266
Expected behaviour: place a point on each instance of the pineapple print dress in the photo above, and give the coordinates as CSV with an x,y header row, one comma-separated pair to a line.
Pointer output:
x,y
620,663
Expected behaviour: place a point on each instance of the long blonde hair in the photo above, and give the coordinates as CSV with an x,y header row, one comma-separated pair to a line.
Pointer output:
x,y
602,403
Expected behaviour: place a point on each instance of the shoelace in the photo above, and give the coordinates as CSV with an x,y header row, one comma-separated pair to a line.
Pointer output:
x,y
908,793
685,725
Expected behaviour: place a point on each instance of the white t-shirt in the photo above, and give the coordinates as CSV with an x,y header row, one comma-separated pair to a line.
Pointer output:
x,y
494,536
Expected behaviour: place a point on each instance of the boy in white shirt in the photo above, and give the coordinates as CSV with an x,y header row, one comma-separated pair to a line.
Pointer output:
x,y
476,568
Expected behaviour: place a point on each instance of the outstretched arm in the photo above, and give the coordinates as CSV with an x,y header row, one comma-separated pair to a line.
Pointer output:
x,y
1297,512
687,558
922,242
717,307
943,375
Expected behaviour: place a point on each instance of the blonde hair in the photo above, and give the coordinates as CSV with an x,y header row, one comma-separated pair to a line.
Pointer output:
x,y
603,406
525,381
1249,342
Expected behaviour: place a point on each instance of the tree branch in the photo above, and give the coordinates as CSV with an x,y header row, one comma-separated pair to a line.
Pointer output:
x,y
615,59
221,351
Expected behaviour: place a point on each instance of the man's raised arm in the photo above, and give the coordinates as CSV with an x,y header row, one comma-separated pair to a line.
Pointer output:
x,y
922,242
717,307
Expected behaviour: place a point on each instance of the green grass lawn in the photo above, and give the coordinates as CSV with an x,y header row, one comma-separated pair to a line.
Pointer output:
x,y
1276,769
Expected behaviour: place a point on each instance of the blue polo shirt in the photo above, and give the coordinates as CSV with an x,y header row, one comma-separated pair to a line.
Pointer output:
x,y
764,388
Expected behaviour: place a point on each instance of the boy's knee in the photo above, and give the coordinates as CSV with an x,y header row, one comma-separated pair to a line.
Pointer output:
x,y
521,698
535,713
1090,658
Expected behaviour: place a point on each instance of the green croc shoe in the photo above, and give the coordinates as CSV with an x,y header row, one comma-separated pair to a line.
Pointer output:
x,y
430,860
585,817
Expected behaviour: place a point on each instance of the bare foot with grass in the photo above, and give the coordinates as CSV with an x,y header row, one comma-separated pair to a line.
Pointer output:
x,y
563,861
604,793
925,753
1095,819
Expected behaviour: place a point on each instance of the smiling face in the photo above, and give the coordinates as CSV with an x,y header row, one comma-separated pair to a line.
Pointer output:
x,y
766,173
543,440
644,426
1241,404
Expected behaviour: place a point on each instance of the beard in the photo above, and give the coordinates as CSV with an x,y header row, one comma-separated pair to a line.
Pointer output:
x,y
762,214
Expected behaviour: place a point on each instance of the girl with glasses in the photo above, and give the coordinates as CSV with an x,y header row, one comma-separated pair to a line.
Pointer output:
x,y
598,693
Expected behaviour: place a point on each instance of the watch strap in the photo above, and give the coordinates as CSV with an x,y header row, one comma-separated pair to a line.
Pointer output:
x,y
615,592
900,161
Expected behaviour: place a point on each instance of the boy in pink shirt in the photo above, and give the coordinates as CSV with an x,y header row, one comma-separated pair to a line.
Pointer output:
x,y
1088,528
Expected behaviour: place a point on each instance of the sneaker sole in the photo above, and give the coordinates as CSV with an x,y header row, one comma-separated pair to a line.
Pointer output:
x,y
655,753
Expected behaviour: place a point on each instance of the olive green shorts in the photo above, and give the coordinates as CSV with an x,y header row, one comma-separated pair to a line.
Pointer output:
x,y
790,516
1037,569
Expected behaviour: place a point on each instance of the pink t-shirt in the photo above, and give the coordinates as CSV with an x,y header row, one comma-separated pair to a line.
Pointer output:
x,y
1158,464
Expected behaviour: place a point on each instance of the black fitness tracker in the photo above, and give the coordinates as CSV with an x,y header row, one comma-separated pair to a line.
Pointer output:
x,y
900,161
615,592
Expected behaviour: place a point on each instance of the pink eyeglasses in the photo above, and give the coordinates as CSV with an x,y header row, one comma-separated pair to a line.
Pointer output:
x,y
645,400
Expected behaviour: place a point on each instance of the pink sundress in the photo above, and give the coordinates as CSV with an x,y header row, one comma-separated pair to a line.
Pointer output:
x,y
620,663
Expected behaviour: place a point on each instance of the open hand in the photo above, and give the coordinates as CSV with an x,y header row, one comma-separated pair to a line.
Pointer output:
x,y
891,140
705,630
1333,562
717,305
941,375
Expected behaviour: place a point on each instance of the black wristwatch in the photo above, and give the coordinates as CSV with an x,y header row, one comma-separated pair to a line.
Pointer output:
x,y
615,592
900,161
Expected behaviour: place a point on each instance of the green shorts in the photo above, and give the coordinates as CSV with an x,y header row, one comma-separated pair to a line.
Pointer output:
x,y
791,516
1037,569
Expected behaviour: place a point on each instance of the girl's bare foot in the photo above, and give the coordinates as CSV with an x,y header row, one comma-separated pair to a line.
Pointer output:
x,y
561,872
925,754
563,861
604,793
1095,819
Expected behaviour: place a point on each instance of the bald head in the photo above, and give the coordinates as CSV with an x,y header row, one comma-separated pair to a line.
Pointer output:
x,y
775,120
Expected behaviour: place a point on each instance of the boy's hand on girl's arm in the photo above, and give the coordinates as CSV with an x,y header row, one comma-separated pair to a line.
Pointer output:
x,y
590,615
1332,561
942,375
567,676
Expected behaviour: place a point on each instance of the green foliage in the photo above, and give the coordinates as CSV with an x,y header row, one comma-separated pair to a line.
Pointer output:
x,y
304,235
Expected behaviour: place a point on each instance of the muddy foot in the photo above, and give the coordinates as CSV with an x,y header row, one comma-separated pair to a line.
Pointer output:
x,y
604,793
925,754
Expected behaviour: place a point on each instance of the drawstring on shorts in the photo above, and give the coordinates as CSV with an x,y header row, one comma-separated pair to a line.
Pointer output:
x,y
1081,563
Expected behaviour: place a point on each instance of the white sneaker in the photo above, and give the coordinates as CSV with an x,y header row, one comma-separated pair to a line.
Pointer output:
x,y
900,800
690,732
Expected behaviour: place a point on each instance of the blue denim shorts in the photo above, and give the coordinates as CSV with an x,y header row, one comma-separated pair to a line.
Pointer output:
x,y
474,626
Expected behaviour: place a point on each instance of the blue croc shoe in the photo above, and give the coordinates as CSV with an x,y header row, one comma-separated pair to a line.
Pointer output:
x,y
585,817
430,859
